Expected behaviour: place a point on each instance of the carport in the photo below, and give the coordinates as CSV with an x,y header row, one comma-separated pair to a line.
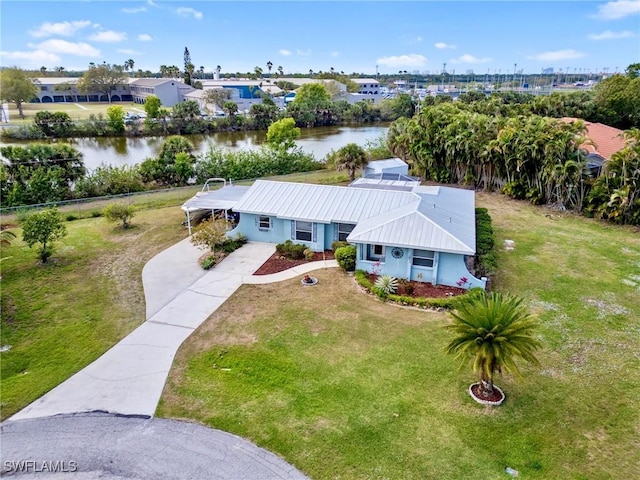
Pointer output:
x,y
219,199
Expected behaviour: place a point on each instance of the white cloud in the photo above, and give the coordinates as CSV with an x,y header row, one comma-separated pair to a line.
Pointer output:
x,y
36,56
442,45
303,53
609,35
108,36
410,60
617,9
335,54
79,49
284,52
143,37
188,11
467,58
66,29
128,51
134,10
557,55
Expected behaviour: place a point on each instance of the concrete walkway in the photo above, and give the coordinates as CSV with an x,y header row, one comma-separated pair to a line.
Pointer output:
x,y
129,378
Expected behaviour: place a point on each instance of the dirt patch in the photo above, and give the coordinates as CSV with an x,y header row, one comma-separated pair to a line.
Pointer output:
x,y
278,263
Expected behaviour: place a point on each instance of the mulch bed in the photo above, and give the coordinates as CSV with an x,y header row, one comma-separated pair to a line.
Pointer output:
x,y
496,397
422,289
278,263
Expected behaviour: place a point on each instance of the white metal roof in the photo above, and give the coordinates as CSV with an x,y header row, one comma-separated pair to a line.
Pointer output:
x,y
224,198
380,165
424,224
401,182
319,203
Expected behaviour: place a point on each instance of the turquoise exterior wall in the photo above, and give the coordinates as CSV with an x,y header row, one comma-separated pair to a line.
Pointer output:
x,y
280,231
452,268
448,268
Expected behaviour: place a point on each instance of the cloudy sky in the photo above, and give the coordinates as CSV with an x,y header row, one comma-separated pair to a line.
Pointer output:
x,y
350,36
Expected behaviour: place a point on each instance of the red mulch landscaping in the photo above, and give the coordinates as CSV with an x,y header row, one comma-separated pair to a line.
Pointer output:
x,y
278,263
422,289
496,397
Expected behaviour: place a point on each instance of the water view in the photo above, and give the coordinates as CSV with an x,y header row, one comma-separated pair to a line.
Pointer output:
x,y
128,151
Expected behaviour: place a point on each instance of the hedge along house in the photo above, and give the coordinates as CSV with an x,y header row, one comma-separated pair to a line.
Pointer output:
x,y
425,234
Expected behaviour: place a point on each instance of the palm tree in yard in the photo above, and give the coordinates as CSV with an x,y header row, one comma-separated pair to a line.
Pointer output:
x,y
492,330
351,157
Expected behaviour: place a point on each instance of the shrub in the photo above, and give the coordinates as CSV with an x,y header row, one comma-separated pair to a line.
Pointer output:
x,y
96,214
231,244
44,228
208,262
119,212
346,257
71,217
308,254
293,251
386,285
210,234
337,244
485,261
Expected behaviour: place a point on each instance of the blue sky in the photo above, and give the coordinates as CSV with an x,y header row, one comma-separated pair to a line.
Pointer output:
x,y
350,36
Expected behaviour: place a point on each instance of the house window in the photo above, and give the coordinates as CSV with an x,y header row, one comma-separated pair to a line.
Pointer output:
x,y
264,223
423,258
375,253
43,89
304,231
344,229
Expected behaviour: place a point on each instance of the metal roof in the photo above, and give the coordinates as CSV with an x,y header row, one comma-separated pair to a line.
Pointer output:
x,y
319,203
379,165
386,181
440,218
223,198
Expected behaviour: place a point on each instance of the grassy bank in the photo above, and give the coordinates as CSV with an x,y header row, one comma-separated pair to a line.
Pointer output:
x,y
344,386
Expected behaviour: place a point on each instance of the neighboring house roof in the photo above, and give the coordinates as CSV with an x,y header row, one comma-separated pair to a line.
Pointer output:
x,y
154,82
439,218
607,140
364,80
380,165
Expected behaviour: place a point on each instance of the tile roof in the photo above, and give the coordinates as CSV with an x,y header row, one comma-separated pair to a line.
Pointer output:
x,y
607,140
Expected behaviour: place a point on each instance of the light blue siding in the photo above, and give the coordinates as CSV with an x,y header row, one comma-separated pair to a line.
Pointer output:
x,y
280,231
448,268
452,268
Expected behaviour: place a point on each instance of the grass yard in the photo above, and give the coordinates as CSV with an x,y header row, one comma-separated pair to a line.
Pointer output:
x,y
346,387
77,111
61,316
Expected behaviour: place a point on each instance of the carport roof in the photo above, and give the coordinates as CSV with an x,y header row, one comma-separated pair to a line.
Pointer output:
x,y
224,198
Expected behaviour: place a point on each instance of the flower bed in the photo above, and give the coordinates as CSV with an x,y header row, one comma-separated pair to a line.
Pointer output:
x,y
279,263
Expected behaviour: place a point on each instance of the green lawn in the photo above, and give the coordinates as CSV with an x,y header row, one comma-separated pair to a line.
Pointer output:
x,y
345,387
77,111
61,316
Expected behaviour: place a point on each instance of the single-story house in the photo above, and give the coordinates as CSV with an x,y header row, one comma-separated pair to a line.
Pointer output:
x,y
603,142
426,234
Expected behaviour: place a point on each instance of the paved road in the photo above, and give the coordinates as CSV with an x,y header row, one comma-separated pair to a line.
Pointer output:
x,y
106,446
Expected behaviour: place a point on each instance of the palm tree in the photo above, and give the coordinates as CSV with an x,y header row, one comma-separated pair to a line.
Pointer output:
x,y
492,330
351,157
280,71
269,66
128,65
6,237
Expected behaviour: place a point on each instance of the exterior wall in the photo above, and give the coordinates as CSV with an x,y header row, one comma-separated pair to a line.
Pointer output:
x,y
452,267
448,268
280,231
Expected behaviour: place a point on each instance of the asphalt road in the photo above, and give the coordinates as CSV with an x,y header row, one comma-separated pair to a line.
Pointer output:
x,y
96,445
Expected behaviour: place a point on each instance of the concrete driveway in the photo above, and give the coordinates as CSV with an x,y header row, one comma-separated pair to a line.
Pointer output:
x,y
129,378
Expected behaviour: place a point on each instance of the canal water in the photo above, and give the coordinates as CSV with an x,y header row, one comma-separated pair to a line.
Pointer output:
x,y
120,151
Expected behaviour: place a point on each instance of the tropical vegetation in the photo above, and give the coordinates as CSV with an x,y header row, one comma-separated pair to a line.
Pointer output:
x,y
43,228
491,331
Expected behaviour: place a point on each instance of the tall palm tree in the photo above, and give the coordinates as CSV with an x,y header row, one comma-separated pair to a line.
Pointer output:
x,y
351,157
491,331
280,71
269,66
